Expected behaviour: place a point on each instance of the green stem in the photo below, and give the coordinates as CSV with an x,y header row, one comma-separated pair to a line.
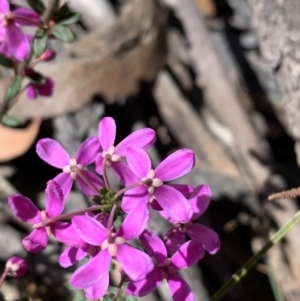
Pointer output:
x,y
242,272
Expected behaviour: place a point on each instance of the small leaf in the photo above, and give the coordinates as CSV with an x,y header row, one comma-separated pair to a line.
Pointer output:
x,y
69,19
37,5
10,121
5,61
14,87
36,78
40,42
130,298
79,296
63,33
107,298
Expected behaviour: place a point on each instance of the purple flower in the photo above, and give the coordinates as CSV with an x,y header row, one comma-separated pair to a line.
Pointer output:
x,y
166,268
199,201
93,276
143,138
77,248
10,22
170,199
54,154
26,211
16,267
45,89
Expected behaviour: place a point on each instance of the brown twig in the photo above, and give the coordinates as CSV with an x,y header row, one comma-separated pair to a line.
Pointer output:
x,y
292,193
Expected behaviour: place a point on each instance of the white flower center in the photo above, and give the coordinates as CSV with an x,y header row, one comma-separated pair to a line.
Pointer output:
x,y
110,156
72,167
151,182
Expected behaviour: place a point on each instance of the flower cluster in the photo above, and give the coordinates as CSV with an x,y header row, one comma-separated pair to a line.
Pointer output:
x,y
104,231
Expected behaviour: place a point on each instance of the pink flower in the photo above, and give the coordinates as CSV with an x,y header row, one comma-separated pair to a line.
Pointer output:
x,y
54,154
16,267
77,248
170,199
166,268
199,201
34,90
26,211
93,276
10,22
143,138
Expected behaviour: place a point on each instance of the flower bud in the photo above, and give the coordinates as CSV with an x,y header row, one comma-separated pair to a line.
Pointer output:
x,y
16,267
47,55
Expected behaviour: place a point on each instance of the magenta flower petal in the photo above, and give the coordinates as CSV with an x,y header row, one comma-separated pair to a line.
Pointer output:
x,y
24,12
98,164
24,209
90,230
153,245
176,205
142,138
180,290
146,286
135,269
94,179
138,161
107,132
4,6
31,92
124,173
200,200
17,42
99,289
186,190
36,241
70,256
134,223
65,182
176,165
92,271
45,89
64,232
134,197
54,199
209,238
188,254
87,151
174,241
52,152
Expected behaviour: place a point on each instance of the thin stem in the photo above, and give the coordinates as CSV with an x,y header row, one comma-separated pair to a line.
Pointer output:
x,y
111,219
86,180
118,292
50,10
67,215
123,190
105,178
242,272
5,273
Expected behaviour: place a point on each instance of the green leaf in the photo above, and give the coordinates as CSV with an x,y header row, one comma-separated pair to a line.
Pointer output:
x,y
63,33
10,121
130,298
69,19
5,61
37,5
79,296
14,87
107,298
40,42
36,78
